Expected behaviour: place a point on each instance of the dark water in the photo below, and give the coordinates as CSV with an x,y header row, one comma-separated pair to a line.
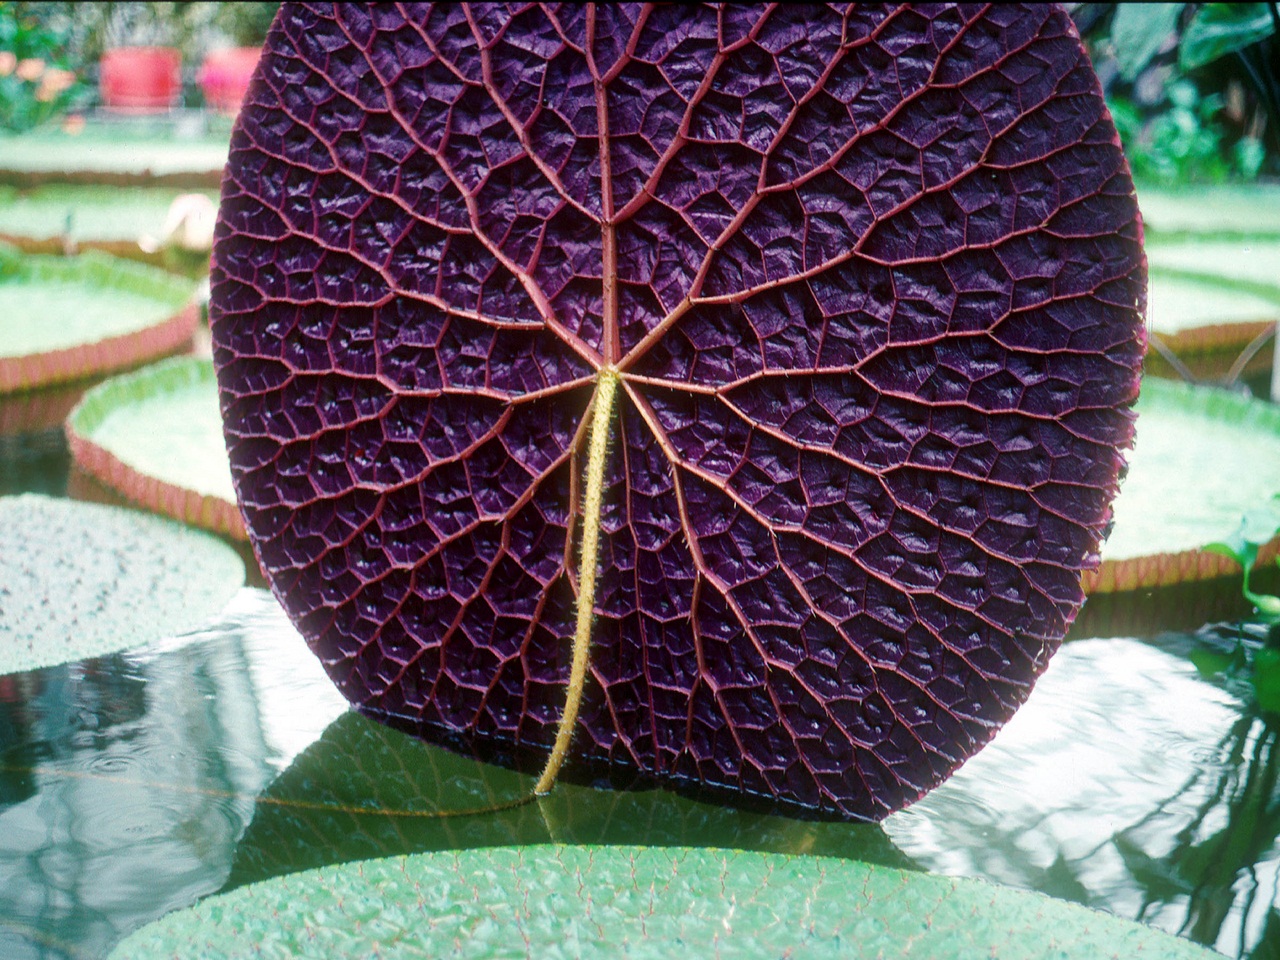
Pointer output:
x,y
134,784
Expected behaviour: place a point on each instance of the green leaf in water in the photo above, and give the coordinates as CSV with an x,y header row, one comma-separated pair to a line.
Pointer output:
x,y
161,425
1209,663
1258,528
636,902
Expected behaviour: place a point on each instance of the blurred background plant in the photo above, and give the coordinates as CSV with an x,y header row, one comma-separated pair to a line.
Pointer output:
x,y
49,51
1194,87
35,82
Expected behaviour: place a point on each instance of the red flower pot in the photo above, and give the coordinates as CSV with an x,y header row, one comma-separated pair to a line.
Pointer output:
x,y
224,76
141,79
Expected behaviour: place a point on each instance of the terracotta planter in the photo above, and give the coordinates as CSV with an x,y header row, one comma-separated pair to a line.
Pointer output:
x,y
141,79
224,77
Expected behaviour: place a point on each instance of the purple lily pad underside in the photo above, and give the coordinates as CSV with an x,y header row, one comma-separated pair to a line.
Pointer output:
x,y
870,282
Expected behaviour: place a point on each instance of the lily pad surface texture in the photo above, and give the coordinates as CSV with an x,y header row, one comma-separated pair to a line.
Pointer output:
x,y
638,902
723,397
155,435
81,580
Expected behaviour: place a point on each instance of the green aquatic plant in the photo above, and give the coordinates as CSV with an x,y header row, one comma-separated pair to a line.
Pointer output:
x,y
1248,653
1257,529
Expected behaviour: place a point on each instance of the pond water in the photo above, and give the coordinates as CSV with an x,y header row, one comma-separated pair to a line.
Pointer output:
x,y
133,784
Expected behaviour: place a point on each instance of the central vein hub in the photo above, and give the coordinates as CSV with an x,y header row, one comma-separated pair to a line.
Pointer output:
x,y
597,448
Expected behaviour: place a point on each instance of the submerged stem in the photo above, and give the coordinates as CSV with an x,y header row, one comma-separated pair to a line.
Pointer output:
x,y
588,568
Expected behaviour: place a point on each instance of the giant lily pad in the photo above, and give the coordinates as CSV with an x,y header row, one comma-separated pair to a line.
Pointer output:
x,y
1193,316
1203,457
753,379
1225,210
104,155
155,436
365,790
607,902
80,580
98,217
68,318
1253,264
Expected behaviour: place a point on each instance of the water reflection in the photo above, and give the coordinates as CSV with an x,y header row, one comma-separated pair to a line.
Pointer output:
x,y
125,782
34,463
1129,784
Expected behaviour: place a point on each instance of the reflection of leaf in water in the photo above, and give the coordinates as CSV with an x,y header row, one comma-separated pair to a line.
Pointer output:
x,y
639,902
1231,835
332,805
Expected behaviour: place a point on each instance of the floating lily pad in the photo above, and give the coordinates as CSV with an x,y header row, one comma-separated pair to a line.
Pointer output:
x,y
557,901
1254,264
371,791
155,435
101,217
68,318
1202,458
1227,210
80,580
1193,316
101,155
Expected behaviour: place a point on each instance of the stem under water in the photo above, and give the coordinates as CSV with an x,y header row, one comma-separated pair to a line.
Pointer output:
x,y
597,447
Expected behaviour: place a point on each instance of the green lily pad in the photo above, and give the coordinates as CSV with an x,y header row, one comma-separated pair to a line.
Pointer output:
x,y
1202,459
86,214
155,435
120,158
81,580
1224,210
1193,315
68,318
371,791
1253,264
562,901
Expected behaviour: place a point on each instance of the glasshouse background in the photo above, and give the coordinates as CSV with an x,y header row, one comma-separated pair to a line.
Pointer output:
x,y
185,744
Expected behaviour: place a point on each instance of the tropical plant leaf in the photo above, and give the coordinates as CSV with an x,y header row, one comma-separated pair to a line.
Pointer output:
x,y
85,214
1221,28
1139,30
556,901
1193,316
772,427
105,155
80,580
1207,210
1251,263
155,436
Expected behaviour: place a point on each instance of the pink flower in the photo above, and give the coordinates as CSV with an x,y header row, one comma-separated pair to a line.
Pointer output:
x,y
54,82
30,70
